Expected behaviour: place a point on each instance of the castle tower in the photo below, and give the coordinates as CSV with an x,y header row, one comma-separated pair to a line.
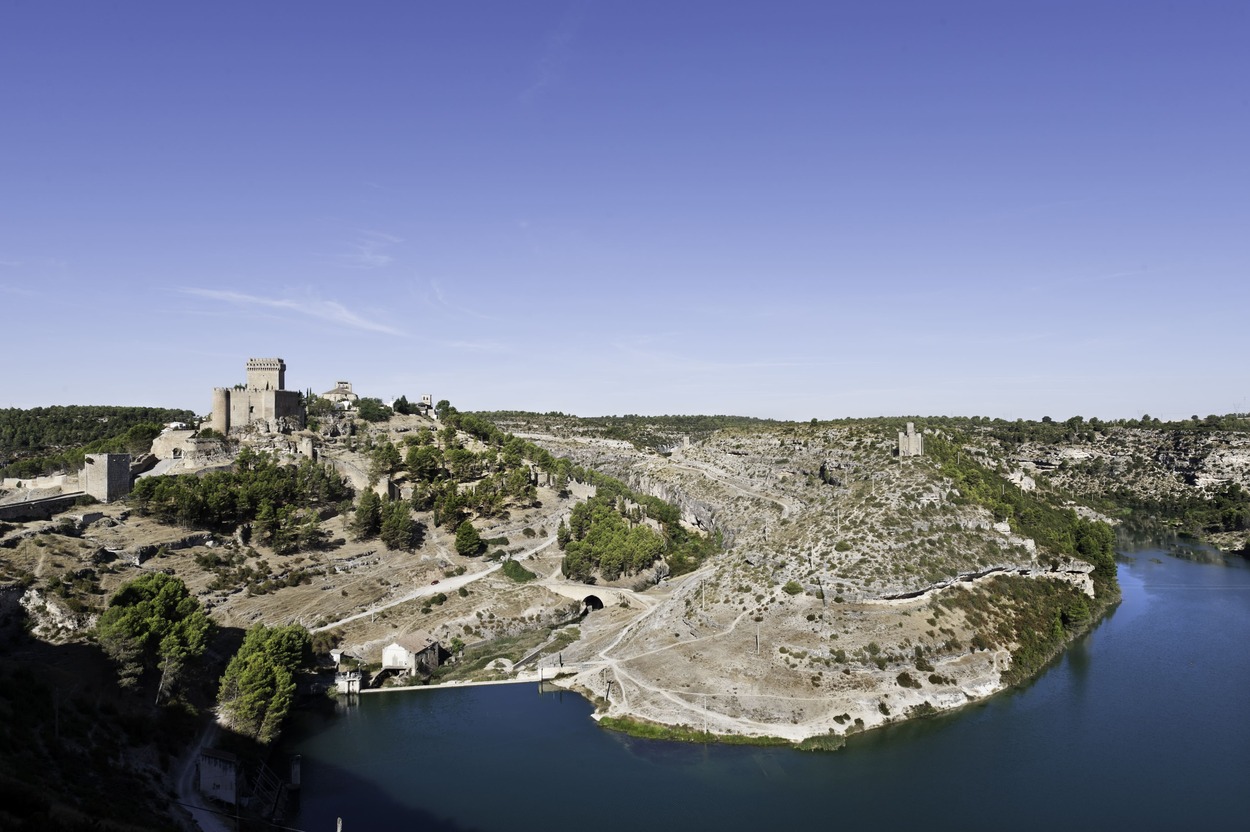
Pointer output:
x,y
266,374
221,410
106,476
910,443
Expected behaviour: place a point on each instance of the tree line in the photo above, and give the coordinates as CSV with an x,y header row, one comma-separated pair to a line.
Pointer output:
x,y
604,537
682,550
155,630
45,440
283,503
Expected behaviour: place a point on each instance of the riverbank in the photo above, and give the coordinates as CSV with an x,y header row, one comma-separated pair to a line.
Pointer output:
x,y
1107,713
1015,623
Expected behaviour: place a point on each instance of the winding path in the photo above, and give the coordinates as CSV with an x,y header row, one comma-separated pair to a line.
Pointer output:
x,y
430,590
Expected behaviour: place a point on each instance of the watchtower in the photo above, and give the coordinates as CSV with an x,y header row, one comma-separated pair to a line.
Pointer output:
x,y
910,443
106,476
266,374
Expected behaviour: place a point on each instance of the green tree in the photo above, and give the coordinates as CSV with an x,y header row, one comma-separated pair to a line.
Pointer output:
x,y
368,520
316,406
424,462
372,410
258,686
462,464
153,623
468,541
384,460
1095,544
398,528
514,570
449,507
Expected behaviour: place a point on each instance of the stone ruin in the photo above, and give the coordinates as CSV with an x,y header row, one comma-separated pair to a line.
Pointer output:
x,y
910,443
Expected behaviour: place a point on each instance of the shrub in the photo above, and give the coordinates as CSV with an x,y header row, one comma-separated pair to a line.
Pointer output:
x,y
517,572
792,588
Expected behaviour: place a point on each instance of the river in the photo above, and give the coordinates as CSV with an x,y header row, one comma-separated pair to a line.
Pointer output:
x,y
1143,724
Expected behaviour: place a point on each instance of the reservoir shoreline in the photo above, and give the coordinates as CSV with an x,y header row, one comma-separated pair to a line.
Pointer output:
x,y
1107,715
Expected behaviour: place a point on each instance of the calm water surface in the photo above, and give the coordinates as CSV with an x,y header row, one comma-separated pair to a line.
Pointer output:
x,y
1142,725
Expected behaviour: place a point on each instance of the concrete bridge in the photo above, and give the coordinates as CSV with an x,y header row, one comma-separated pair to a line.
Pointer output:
x,y
583,592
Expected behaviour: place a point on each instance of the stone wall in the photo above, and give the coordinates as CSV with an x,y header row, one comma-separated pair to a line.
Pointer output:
x,y
49,481
38,509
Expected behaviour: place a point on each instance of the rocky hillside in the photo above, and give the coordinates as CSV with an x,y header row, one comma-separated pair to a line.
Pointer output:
x,y
839,602
853,586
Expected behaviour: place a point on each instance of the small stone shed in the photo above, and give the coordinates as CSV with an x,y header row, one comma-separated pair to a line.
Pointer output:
x,y
417,653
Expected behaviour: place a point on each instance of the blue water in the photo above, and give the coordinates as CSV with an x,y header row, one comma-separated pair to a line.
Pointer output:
x,y
1142,725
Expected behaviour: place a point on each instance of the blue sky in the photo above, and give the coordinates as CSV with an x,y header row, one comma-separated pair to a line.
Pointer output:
x,y
773,209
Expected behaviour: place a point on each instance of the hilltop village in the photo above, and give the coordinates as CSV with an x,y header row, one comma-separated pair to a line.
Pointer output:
x,y
701,577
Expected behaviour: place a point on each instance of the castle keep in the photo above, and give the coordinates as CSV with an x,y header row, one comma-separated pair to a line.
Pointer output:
x,y
264,399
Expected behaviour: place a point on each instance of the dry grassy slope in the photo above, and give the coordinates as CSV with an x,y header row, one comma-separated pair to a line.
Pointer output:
x,y
726,647
883,528
349,579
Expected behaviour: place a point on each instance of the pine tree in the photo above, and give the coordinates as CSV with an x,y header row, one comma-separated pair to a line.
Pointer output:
x,y
468,541
397,525
258,686
153,622
368,520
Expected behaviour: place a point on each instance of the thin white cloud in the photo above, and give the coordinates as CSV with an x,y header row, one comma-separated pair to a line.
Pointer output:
x,y
369,251
555,55
438,297
330,311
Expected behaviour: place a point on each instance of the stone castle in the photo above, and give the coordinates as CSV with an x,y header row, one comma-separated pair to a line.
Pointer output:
x,y
263,400
910,443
